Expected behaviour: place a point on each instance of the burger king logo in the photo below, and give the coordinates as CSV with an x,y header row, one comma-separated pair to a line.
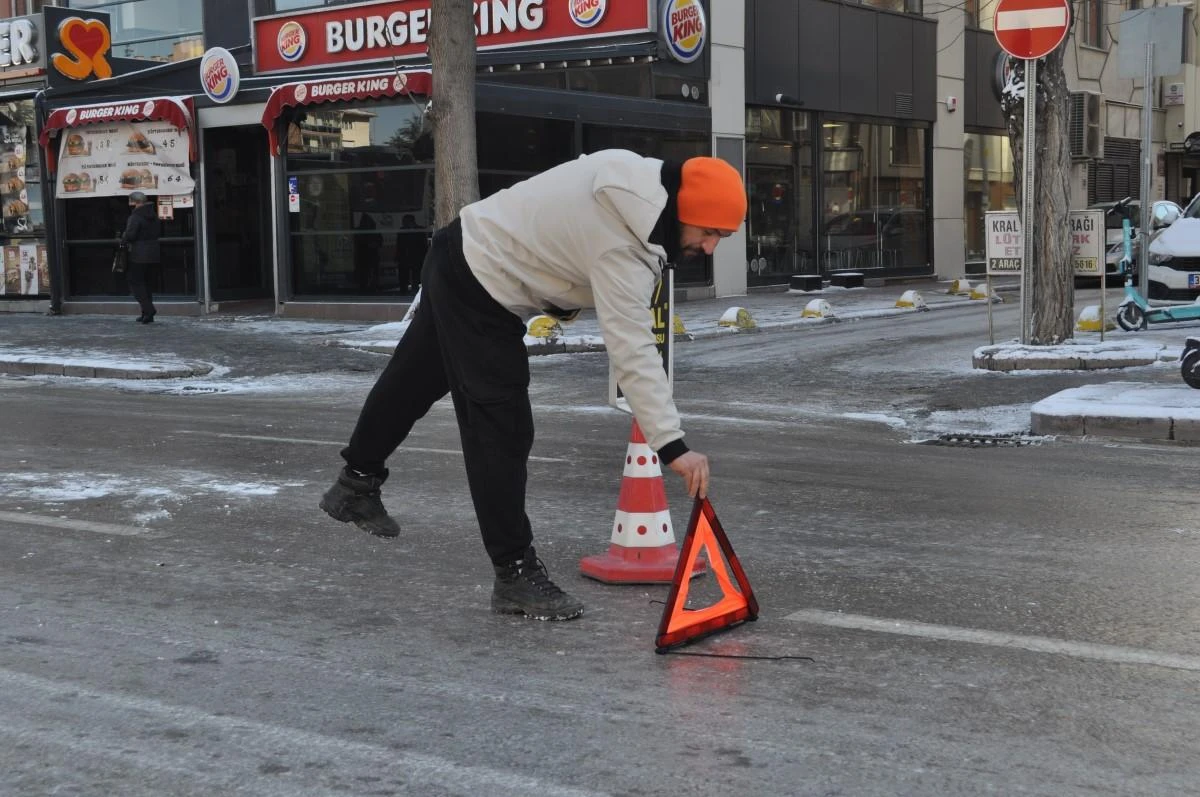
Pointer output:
x,y
148,108
219,75
72,115
587,13
399,82
301,93
291,41
684,29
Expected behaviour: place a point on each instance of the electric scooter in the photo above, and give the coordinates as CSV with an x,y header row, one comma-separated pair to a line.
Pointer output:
x,y
1135,313
1189,363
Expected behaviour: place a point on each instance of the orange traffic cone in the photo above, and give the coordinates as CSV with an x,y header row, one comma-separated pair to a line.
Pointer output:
x,y
642,549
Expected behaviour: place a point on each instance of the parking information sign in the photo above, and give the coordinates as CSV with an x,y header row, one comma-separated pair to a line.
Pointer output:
x,y
1087,242
1005,245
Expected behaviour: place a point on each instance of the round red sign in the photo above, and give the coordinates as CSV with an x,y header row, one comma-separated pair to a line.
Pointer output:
x,y
1031,28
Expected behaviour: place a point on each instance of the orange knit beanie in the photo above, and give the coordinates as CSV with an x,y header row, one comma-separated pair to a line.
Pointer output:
x,y
711,194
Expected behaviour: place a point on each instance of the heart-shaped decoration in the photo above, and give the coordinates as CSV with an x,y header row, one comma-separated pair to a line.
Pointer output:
x,y
89,37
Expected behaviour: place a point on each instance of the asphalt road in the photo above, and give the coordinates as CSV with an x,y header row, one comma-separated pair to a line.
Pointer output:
x,y
177,617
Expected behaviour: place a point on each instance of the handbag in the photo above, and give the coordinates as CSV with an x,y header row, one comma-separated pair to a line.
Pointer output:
x,y
120,259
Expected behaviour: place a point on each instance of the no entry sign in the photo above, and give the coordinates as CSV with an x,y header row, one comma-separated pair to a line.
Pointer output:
x,y
1031,28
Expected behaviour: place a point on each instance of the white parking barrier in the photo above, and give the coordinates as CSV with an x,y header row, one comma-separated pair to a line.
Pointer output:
x,y
960,287
817,308
738,318
912,300
1090,320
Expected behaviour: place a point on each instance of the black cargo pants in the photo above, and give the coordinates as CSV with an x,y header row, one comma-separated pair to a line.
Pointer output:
x,y
461,341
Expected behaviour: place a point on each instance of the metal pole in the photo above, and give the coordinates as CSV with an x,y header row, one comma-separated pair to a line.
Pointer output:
x,y
1147,172
991,326
1027,197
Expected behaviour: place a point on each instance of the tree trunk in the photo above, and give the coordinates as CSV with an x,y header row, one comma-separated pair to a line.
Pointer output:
x,y
1052,305
452,55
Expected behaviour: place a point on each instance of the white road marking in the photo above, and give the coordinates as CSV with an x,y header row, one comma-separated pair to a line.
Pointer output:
x,y
93,526
1113,654
245,737
340,444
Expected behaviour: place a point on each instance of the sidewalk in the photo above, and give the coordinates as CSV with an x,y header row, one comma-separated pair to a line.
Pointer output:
x,y
1124,409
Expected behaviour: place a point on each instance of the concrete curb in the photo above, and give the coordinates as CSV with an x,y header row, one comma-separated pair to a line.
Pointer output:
x,y
37,366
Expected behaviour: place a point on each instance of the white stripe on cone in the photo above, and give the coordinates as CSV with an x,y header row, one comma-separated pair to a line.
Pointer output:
x,y
642,529
641,462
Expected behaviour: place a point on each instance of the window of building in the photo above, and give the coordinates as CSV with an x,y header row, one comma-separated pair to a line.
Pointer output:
x,y
873,213
22,232
157,30
988,181
21,8
780,223
1090,26
364,180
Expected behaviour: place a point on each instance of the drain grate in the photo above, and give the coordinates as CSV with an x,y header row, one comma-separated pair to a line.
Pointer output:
x,y
967,440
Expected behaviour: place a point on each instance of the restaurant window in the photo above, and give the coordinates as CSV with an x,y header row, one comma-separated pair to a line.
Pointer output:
x,y
873,204
157,30
364,180
988,179
26,269
779,180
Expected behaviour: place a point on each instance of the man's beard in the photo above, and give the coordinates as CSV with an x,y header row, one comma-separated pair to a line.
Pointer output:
x,y
690,257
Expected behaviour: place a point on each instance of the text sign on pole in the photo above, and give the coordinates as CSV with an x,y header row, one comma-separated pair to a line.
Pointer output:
x,y
1005,244
1031,28
1087,242
1161,26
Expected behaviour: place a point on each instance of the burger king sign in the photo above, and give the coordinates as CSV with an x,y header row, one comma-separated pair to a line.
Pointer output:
x,y
219,75
684,29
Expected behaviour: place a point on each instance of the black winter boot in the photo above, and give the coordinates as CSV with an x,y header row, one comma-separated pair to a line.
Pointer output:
x,y
524,587
354,498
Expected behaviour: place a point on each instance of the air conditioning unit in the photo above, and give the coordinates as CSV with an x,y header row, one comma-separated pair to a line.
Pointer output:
x,y
1083,126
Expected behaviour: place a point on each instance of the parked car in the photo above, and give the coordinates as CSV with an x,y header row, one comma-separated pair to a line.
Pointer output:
x,y
1173,258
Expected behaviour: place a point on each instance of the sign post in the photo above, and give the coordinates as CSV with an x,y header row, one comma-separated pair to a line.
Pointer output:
x,y
1030,29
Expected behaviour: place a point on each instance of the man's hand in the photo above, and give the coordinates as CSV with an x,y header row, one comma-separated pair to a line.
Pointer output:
x,y
693,467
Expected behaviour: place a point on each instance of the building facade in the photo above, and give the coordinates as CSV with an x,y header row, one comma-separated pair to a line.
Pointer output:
x,y
294,171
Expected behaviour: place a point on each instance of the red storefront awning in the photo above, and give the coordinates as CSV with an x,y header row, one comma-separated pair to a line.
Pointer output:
x,y
175,110
340,89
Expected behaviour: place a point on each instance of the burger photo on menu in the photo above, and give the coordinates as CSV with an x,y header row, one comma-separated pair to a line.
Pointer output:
x,y
76,145
85,181
72,183
139,143
16,207
130,178
13,184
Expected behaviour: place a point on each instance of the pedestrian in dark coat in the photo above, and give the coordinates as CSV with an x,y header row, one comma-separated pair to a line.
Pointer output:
x,y
141,236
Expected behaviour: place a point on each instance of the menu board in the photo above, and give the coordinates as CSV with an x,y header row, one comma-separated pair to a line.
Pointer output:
x,y
118,158
26,271
14,179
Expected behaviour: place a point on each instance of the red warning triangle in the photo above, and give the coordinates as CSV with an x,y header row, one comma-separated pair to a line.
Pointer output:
x,y
680,624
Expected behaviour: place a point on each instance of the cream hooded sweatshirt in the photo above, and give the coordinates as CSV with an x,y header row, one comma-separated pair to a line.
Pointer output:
x,y
577,236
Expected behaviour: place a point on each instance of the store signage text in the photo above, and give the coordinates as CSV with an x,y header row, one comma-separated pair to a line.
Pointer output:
x,y
19,43
586,13
88,42
400,29
219,74
684,29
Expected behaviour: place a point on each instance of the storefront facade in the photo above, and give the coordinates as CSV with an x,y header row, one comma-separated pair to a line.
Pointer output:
x,y
352,154
307,184
839,111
